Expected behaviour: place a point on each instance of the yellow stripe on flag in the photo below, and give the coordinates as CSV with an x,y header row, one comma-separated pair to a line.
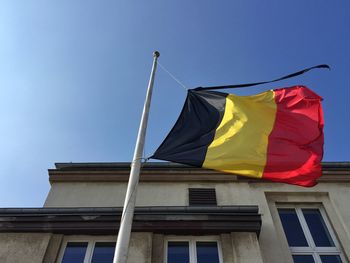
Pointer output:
x,y
241,140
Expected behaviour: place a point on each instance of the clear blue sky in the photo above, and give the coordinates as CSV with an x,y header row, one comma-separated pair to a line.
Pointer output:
x,y
73,74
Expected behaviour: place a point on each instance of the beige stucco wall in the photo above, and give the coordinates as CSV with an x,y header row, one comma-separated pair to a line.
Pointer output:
x,y
332,196
23,247
140,250
246,248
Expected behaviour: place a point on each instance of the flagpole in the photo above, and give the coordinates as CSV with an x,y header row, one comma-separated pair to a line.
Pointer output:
x,y
122,246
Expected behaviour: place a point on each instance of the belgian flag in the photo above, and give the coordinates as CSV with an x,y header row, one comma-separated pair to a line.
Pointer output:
x,y
275,135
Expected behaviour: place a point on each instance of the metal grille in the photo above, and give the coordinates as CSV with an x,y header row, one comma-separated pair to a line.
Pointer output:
x,y
202,197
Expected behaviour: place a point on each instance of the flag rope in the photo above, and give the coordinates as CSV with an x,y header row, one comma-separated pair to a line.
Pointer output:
x,y
172,76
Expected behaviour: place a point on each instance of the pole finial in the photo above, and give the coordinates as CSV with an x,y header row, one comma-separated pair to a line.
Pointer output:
x,y
156,54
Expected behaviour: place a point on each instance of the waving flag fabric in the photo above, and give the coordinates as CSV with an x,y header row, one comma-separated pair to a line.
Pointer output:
x,y
276,135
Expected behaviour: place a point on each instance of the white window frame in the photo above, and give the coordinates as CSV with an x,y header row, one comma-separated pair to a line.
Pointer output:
x,y
312,249
192,245
91,240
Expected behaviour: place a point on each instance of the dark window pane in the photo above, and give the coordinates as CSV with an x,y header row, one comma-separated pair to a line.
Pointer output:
x,y
74,252
103,252
178,252
303,259
330,259
292,228
207,252
318,228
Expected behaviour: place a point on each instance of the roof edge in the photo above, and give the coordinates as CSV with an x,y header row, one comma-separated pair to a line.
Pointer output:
x,y
155,165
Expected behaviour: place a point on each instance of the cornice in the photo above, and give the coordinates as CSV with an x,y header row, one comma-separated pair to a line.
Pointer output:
x,y
105,221
165,172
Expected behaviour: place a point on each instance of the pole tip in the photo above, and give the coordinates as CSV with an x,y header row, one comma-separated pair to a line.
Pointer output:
x,y
156,54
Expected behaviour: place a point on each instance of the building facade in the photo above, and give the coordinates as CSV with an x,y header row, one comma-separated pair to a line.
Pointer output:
x,y
183,214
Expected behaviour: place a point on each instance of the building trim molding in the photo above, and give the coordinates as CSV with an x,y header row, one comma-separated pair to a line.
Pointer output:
x,y
170,172
105,221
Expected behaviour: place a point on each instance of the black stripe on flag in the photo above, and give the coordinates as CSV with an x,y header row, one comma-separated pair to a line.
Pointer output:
x,y
194,130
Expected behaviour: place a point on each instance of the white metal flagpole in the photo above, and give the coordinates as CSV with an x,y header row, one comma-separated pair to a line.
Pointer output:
x,y
122,246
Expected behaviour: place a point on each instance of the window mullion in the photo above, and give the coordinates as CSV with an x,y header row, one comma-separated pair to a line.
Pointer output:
x,y
317,258
305,228
88,253
193,251
303,250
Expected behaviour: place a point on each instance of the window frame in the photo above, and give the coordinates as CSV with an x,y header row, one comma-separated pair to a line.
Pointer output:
x,y
91,240
192,245
312,249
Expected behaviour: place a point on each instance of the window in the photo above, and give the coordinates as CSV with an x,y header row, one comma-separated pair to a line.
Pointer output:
x,y
309,235
87,251
193,250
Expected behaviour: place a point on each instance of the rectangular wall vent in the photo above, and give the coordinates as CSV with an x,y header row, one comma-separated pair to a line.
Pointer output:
x,y
202,197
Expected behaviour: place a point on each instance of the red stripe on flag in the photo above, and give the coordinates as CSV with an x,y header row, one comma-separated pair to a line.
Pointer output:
x,y
295,146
